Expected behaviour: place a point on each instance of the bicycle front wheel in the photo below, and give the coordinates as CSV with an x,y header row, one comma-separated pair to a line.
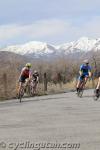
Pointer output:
x,y
80,93
21,94
95,96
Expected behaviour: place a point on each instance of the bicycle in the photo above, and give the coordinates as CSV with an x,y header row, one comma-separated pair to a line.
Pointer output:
x,y
81,88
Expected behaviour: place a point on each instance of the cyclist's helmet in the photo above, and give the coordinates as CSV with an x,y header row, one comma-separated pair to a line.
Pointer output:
x,y
28,65
35,72
86,61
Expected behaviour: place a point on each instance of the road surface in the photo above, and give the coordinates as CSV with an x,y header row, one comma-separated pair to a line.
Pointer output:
x,y
61,119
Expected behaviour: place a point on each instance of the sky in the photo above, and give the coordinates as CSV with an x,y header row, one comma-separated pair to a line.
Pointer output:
x,y
52,21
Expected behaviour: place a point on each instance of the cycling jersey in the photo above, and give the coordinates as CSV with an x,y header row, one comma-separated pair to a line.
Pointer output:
x,y
25,72
35,77
85,69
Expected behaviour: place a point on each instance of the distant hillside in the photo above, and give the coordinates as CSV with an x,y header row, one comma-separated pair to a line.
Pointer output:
x,y
8,58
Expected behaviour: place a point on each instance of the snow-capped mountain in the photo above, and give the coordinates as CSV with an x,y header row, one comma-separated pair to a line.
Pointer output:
x,y
84,44
31,47
37,49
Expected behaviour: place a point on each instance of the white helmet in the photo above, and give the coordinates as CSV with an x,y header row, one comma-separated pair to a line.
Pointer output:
x,y
35,72
86,61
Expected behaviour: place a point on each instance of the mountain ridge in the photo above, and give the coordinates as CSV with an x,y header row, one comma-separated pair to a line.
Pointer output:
x,y
41,49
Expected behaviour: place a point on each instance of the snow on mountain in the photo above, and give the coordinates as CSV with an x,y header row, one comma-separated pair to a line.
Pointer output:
x,y
84,44
38,49
31,47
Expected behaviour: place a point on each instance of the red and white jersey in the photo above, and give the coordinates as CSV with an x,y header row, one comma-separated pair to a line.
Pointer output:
x,y
26,72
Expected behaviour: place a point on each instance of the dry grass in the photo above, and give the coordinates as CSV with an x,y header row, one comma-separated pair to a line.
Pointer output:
x,y
58,88
10,91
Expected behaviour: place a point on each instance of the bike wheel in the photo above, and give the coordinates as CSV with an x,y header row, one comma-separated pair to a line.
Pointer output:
x,y
81,89
31,91
21,94
95,96
80,93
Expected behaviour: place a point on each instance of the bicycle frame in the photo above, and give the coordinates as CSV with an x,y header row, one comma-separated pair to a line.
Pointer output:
x,y
21,92
31,88
81,88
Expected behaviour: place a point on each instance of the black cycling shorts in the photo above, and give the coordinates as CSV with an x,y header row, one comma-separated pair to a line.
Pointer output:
x,y
22,79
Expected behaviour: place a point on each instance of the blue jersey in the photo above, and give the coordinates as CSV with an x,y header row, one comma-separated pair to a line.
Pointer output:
x,y
85,69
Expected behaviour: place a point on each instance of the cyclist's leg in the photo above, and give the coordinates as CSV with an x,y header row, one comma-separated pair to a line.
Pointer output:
x,y
98,86
21,82
35,86
20,87
26,81
78,83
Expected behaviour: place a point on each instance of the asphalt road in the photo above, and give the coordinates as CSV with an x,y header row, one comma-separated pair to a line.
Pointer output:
x,y
62,119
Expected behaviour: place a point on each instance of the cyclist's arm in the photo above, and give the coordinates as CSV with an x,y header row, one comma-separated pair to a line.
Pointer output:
x,y
80,73
81,70
37,79
30,75
21,73
90,72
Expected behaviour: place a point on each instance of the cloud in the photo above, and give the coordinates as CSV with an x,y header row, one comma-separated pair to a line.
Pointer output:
x,y
91,28
39,29
26,11
52,31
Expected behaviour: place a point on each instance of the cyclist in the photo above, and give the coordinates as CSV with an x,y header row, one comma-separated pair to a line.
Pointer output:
x,y
98,84
25,74
84,73
35,79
